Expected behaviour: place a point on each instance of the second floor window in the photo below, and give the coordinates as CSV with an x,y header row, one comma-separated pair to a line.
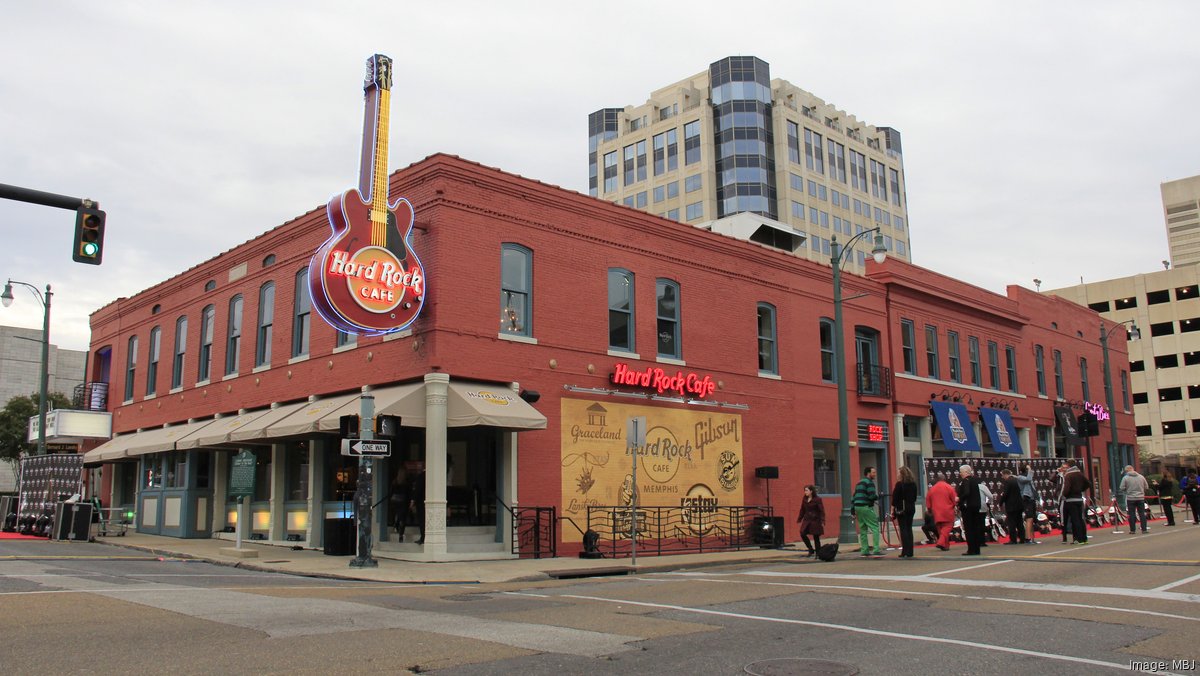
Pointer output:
x,y
952,351
1058,375
973,356
908,345
130,366
932,358
1083,379
207,318
620,310
828,356
768,361
266,319
233,344
993,365
152,365
1010,363
516,282
1039,365
302,315
180,352
667,293
342,339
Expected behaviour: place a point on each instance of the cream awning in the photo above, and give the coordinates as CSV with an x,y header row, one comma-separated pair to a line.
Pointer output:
x,y
496,406
111,450
308,418
406,401
256,429
162,439
218,432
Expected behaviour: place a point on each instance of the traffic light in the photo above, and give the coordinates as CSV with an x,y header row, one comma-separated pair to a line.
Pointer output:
x,y
348,426
1089,425
89,236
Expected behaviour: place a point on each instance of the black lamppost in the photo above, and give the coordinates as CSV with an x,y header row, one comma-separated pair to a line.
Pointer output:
x,y
846,524
1135,334
7,299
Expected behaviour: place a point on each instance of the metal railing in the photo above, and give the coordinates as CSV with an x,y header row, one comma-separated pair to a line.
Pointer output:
x,y
874,381
676,530
534,531
90,397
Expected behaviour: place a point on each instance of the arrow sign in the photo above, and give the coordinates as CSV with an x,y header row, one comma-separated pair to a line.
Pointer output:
x,y
367,449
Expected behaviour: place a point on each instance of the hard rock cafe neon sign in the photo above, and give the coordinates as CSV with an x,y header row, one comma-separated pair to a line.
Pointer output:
x,y
366,278
654,378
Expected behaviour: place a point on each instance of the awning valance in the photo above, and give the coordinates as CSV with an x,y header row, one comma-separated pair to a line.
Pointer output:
x,y
478,404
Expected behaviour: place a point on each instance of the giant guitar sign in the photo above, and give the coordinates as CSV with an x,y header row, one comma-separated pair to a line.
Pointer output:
x,y
366,278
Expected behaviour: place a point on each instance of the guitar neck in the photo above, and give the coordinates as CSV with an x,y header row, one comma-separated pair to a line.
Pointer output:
x,y
379,187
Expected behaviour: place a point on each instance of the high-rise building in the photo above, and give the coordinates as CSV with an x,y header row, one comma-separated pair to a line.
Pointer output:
x,y
1181,209
1164,365
733,151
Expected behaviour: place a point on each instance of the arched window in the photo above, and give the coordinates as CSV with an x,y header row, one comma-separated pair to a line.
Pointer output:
x,y
301,315
768,354
620,310
152,366
180,352
666,292
266,319
207,318
130,366
268,261
210,285
516,290
233,343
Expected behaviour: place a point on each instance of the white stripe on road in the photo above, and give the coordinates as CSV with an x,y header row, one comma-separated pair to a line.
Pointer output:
x,y
959,570
1177,584
909,592
864,630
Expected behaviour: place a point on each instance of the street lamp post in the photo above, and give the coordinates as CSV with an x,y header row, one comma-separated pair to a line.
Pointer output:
x,y
846,524
7,299
1134,333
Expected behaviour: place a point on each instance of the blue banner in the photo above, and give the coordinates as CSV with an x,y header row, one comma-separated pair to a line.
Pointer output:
x,y
955,424
1000,428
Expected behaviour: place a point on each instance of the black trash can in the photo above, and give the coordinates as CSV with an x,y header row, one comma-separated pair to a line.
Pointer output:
x,y
767,531
339,537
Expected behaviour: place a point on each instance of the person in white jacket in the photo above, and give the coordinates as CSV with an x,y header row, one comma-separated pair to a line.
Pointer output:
x,y
1134,486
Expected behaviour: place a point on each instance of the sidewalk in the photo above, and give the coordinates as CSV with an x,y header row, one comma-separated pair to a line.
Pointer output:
x,y
315,563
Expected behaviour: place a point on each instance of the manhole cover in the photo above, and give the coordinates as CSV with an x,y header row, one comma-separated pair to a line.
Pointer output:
x,y
795,666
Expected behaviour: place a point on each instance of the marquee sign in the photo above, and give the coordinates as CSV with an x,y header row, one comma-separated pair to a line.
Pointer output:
x,y
661,382
366,278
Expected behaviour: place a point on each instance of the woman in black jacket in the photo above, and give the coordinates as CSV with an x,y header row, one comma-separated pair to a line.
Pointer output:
x,y
904,506
1166,494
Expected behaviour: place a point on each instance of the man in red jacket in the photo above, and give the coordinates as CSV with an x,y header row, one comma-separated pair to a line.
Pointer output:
x,y
939,502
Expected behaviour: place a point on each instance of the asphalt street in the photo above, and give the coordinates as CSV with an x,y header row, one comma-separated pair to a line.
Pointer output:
x,y
1124,603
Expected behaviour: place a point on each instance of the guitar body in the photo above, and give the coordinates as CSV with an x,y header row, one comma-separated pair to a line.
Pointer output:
x,y
366,278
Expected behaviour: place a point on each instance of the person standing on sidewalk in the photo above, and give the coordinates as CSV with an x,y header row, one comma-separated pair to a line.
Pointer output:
x,y
904,508
1074,485
939,502
971,507
1191,491
1165,487
1133,485
811,520
1028,500
864,500
1014,508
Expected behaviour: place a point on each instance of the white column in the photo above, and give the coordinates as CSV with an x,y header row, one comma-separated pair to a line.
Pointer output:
x,y
1023,435
277,530
434,530
508,481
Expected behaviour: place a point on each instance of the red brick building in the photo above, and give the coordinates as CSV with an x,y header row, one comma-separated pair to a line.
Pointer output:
x,y
534,289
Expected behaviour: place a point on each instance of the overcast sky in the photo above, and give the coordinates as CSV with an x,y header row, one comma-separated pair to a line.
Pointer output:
x,y
1035,134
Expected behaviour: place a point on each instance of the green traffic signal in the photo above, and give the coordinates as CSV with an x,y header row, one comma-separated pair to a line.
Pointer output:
x,y
89,236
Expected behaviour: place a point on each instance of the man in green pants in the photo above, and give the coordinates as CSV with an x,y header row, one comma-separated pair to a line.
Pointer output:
x,y
864,511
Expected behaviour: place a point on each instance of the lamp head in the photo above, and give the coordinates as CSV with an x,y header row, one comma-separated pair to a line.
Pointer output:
x,y
1134,332
879,252
7,296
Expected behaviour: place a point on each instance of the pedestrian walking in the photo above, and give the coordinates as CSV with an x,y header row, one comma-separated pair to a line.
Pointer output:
x,y
864,500
811,520
1134,486
904,508
1029,499
939,504
1074,485
1165,488
400,501
1014,508
971,507
1191,492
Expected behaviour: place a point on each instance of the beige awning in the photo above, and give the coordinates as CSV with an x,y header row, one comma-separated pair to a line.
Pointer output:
x,y
110,451
256,429
162,439
496,406
406,401
307,420
217,434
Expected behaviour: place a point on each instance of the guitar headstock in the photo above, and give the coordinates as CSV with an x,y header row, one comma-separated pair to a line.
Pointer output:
x,y
379,72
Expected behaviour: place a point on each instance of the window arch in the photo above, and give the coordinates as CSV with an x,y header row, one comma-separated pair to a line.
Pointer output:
x,y
268,261
516,290
152,362
667,303
210,285
301,315
768,343
207,319
180,352
266,321
620,310
233,340
130,366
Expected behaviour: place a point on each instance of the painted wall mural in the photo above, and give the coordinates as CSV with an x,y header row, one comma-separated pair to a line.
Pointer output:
x,y
691,459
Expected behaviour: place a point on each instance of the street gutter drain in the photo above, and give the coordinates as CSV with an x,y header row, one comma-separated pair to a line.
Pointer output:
x,y
796,666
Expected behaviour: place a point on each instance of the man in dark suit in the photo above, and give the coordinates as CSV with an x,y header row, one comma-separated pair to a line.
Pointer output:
x,y
1014,507
970,508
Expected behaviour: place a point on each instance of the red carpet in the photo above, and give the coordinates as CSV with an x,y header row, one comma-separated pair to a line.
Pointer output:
x,y
18,536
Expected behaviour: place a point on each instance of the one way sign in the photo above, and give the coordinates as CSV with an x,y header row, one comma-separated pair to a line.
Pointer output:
x,y
370,449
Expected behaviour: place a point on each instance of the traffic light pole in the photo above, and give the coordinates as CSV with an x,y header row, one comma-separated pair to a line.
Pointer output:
x,y
363,511
88,246
46,199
